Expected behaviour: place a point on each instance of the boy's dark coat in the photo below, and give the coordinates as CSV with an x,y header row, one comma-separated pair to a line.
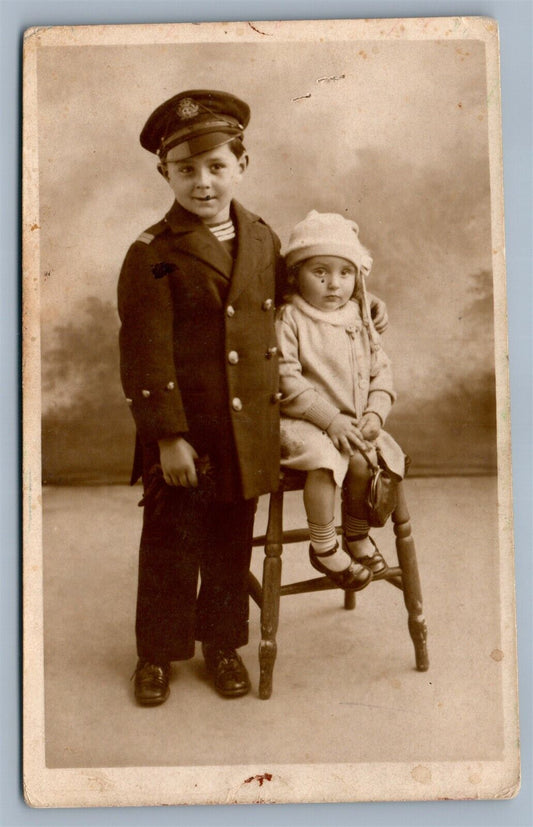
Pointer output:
x,y
196,345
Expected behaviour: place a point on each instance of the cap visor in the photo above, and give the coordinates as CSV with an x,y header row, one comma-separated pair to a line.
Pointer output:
x,y
203,143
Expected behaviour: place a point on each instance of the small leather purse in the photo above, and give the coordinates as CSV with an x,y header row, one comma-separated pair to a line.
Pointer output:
x,y
382,491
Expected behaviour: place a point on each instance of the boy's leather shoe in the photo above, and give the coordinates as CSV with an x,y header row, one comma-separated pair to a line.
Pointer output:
x,y
151,682
227,670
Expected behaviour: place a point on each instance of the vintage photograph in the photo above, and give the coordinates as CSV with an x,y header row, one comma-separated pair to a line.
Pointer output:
x,y
268,546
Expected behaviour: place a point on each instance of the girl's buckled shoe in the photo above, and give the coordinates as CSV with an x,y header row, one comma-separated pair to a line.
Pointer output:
x,y
377,563
354,578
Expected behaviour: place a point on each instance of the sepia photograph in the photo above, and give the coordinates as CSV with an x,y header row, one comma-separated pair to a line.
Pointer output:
x,y
268,538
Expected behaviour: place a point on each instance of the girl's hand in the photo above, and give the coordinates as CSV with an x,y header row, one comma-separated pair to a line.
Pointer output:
x,y
177,461
345,434
378,311
370,426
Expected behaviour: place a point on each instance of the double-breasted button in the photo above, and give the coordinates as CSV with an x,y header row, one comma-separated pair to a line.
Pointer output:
x,y
271,352
233,357
230,310
268,304
276,397
236,404
129,401
146,394
170,386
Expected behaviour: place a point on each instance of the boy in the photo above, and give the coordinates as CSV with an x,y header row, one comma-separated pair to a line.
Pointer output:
x,y
196,299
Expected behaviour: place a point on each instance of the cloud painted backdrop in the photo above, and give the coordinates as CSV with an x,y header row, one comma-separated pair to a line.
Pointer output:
x,y
392,134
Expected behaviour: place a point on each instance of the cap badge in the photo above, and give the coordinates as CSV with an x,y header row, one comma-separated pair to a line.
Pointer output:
x,y
187,108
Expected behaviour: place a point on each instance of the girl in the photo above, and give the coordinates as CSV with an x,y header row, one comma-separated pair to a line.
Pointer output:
x,y
336,385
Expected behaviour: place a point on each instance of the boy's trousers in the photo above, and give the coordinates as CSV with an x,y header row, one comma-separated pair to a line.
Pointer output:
x,y
186,532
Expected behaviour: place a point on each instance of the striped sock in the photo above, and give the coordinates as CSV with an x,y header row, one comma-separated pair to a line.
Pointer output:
x,y
356,536
354,527
323,537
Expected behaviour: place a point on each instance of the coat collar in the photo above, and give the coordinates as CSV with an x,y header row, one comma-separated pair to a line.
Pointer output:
x,y
347,316
198,241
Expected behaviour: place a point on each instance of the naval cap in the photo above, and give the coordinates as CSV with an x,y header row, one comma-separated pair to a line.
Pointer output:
x,y
196,121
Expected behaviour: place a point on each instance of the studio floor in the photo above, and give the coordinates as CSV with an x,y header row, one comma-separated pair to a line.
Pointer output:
x,y
345,684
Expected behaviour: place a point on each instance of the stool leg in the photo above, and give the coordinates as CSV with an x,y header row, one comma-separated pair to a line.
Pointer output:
x,y
412,593
271,594
349,599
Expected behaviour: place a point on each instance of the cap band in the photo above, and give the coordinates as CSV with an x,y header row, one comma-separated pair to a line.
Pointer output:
x,y
230,125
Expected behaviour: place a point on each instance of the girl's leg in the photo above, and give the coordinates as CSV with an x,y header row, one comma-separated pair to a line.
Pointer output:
x,y
354,512
319,501
354,516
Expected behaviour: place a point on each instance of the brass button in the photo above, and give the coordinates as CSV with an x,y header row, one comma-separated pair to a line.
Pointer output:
x,y
268,304
276,397
146,394
236,404
233,357
129,401
271,352
170,386
230,310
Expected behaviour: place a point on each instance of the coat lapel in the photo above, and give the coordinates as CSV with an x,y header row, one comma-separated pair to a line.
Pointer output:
x,y
250,249
196,240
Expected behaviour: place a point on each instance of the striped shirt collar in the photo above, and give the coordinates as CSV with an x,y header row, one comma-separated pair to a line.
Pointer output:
x,y
224,231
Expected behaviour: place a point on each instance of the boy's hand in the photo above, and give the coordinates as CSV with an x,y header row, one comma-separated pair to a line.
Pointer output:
x,y
177,461
345,434
370,426
378,311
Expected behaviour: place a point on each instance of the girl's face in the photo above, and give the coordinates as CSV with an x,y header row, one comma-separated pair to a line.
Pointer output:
x,y
326,282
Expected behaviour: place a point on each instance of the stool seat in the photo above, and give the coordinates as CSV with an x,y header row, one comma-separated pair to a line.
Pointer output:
x,y
267,594
291,479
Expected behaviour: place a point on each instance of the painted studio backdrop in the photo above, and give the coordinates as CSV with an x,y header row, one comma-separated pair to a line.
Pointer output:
x,y
390,134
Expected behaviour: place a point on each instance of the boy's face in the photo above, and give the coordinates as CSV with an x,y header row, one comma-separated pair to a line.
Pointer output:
x,y
205,183
326,282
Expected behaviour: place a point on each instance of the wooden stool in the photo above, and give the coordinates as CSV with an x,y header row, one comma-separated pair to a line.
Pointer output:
x,y
267,595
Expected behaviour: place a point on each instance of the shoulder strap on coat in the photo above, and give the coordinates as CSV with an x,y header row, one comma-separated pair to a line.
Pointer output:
x,y
156,229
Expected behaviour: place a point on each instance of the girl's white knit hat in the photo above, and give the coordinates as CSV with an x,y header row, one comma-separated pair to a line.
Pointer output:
x,y
327,234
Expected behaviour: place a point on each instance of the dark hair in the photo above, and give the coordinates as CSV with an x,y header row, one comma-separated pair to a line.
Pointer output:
x,y
237,147
291,279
